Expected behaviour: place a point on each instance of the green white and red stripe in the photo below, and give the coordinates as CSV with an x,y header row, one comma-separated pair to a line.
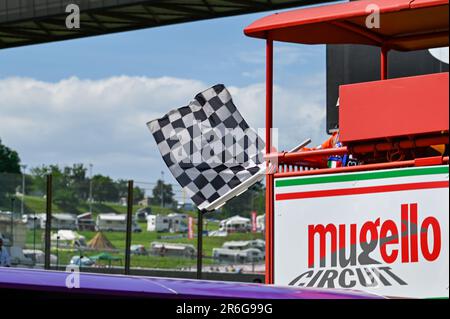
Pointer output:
x,y
393,180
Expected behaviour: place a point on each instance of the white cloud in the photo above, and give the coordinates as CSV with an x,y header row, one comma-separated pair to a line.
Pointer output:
x,y
284,55
103,121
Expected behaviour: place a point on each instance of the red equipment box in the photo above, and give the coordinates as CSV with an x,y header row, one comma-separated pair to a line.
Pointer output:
x,y
402,107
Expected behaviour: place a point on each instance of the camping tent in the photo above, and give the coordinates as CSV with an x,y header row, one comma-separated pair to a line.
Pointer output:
x,y
100,242
68,239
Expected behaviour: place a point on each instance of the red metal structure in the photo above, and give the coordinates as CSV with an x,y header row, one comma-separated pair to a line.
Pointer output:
x,y
401,116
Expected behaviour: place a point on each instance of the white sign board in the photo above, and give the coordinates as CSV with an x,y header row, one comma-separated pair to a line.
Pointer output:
x,y
385,232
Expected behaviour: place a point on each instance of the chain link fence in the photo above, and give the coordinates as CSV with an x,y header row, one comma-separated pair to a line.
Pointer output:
x,y
89,226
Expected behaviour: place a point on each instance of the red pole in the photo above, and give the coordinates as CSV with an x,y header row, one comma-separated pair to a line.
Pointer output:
x,y
269,177
384,62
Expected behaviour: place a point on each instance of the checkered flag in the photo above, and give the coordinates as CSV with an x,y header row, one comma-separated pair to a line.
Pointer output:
x,y
209,148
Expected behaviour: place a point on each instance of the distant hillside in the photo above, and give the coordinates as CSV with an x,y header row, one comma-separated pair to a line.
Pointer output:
x,y
38,205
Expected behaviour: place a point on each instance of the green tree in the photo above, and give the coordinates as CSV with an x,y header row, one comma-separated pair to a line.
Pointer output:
x,y
122,187
104,189
9,160
138,194
163,191
79,181
251,200
9,175
63,192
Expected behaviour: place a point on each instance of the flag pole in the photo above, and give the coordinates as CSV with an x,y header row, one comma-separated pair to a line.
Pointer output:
x,y
200,243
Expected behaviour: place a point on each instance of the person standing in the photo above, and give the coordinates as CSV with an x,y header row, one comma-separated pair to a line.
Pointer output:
x,y
5,260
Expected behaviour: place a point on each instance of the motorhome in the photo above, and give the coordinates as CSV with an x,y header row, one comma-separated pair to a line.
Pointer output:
x,y
237,256
174,223
245,244
114,222
173,249
178,223
86,222
158,223
60,221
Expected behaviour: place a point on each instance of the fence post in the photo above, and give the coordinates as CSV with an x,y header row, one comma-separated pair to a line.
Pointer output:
x,y
199,244
129,228
48,222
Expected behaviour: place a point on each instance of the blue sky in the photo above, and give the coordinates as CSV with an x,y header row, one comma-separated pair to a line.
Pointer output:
x,y
211,50
88,100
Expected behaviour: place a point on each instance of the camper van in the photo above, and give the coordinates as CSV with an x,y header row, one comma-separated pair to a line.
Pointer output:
x,y
86,222
245,244
158,223
115,222
237,256
178,223
173,249
60,221
174,223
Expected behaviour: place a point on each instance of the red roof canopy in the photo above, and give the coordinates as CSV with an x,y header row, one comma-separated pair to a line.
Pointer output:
x,y
405,25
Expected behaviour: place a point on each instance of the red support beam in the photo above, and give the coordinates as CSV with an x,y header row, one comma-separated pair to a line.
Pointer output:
x,y
384,63
269,177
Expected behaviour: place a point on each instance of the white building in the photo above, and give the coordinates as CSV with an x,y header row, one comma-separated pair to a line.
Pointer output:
x,y
236,224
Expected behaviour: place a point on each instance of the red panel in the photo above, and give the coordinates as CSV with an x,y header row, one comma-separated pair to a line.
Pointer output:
x,y
394,108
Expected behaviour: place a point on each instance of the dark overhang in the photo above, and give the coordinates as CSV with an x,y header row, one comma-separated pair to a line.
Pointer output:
x,y
25,22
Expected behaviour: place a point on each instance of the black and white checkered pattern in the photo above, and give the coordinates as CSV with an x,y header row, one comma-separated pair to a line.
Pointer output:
x,y
209,147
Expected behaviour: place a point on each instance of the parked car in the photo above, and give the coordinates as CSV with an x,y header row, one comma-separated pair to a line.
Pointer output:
x,y
85,261
38,256
138,250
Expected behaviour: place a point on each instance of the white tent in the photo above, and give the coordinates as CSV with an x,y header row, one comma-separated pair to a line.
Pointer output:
x,y
236,224
68,238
